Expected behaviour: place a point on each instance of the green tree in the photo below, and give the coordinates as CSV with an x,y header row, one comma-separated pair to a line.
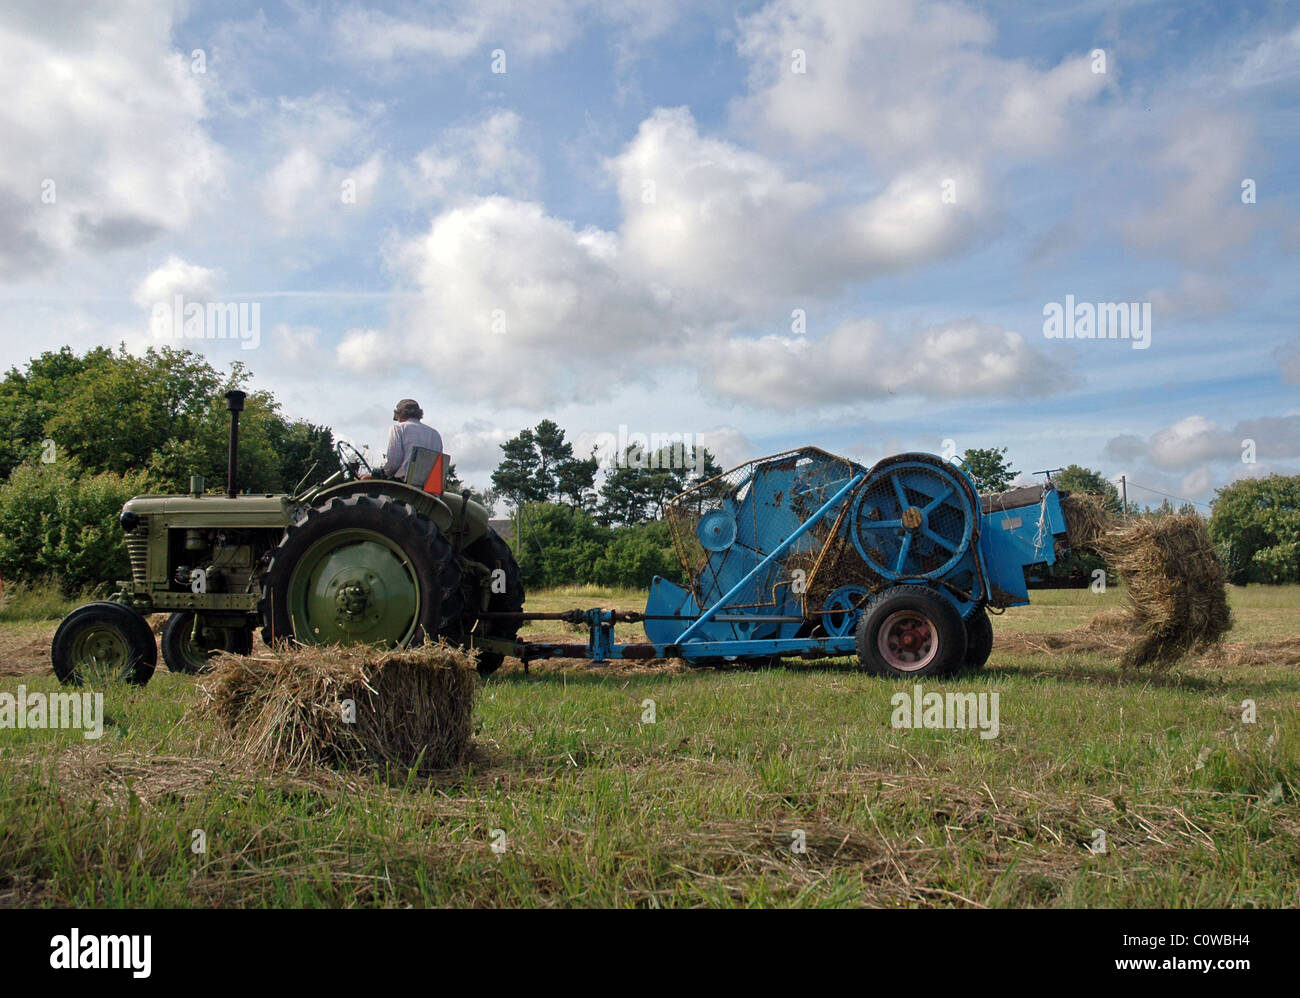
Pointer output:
x,y
559,546
58,522
575,481
30,398
989,468
632,491
1075,478
552,453
516,477
163,411
306,451
638,489
1256,524
635,555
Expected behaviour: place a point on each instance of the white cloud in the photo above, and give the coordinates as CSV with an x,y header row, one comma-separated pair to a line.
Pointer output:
x,y
366,351
1194,295
1273,60
1197,482
297,177
1200,162
100,104
376,35
530,310
176,277
1196,440
454,31
862,359
728,228
485,157
476,446
1189,441
297,346
729,446
524,307
317,177
905,81
1288,358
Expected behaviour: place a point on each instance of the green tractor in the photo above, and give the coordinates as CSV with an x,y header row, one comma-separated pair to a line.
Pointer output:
x,y
350,560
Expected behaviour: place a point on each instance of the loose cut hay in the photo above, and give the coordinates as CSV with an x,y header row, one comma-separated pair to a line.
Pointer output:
x,y
1177,587
290,707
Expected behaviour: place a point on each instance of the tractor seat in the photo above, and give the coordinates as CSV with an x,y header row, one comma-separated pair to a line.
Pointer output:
x,y
425,470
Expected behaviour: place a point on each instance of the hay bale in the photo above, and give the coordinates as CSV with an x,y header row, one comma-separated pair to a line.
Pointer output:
x,y
1177,587
1086,519
289,707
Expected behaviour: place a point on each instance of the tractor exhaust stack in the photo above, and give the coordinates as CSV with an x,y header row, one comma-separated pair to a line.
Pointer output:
x,y
235,403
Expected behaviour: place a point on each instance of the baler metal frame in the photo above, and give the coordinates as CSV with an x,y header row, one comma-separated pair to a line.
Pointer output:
x,y
999,534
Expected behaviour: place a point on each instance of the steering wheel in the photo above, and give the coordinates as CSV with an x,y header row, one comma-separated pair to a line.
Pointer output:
x,y
353,463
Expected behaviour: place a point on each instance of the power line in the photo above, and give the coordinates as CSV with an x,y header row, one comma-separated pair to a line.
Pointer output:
x,y
1147,488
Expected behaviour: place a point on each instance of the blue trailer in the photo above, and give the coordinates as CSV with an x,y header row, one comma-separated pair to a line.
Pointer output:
x,y
812,555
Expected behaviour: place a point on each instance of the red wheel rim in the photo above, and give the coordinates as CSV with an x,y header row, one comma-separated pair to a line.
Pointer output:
x,y
907,641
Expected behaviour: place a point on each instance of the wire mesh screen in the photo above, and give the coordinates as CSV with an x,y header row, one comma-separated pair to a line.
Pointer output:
x,y
838,577
725,526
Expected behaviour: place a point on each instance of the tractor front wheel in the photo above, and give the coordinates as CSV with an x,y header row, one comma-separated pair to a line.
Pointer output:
x,y
183,651
911,631
104,642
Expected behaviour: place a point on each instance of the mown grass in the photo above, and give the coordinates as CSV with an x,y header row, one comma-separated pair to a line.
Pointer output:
x,y
590,806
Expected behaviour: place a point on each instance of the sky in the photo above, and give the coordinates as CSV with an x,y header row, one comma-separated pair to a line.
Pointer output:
x,y
761,226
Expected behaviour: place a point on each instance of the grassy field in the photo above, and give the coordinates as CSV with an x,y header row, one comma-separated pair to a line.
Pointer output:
x,y
590,806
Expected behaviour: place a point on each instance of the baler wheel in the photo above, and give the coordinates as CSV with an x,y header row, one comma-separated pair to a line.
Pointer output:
x,y
979,639
911,631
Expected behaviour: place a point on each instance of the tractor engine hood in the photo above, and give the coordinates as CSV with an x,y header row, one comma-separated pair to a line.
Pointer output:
x,y
213,511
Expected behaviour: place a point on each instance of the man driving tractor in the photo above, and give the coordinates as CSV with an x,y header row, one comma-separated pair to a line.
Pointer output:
x,y
406,433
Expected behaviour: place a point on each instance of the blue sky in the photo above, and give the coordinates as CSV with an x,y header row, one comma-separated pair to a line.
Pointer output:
x,y
620,228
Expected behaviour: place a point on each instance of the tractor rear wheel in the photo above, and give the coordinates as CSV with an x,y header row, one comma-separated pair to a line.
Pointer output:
x,y
911,631
979,639
361,569
183,652
103,642
491,550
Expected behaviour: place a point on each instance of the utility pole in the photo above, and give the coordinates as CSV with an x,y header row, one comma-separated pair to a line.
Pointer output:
x,y
1123,487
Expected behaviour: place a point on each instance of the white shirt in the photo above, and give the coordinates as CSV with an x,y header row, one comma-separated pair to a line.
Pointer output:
x,y
402,438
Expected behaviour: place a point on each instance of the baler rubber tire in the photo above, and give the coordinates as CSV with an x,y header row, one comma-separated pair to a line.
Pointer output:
x,y
941,616
979,639
492,550
416,535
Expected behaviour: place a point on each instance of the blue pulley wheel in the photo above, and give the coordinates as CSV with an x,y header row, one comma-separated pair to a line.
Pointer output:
x,y
914,518
849,601
716,530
